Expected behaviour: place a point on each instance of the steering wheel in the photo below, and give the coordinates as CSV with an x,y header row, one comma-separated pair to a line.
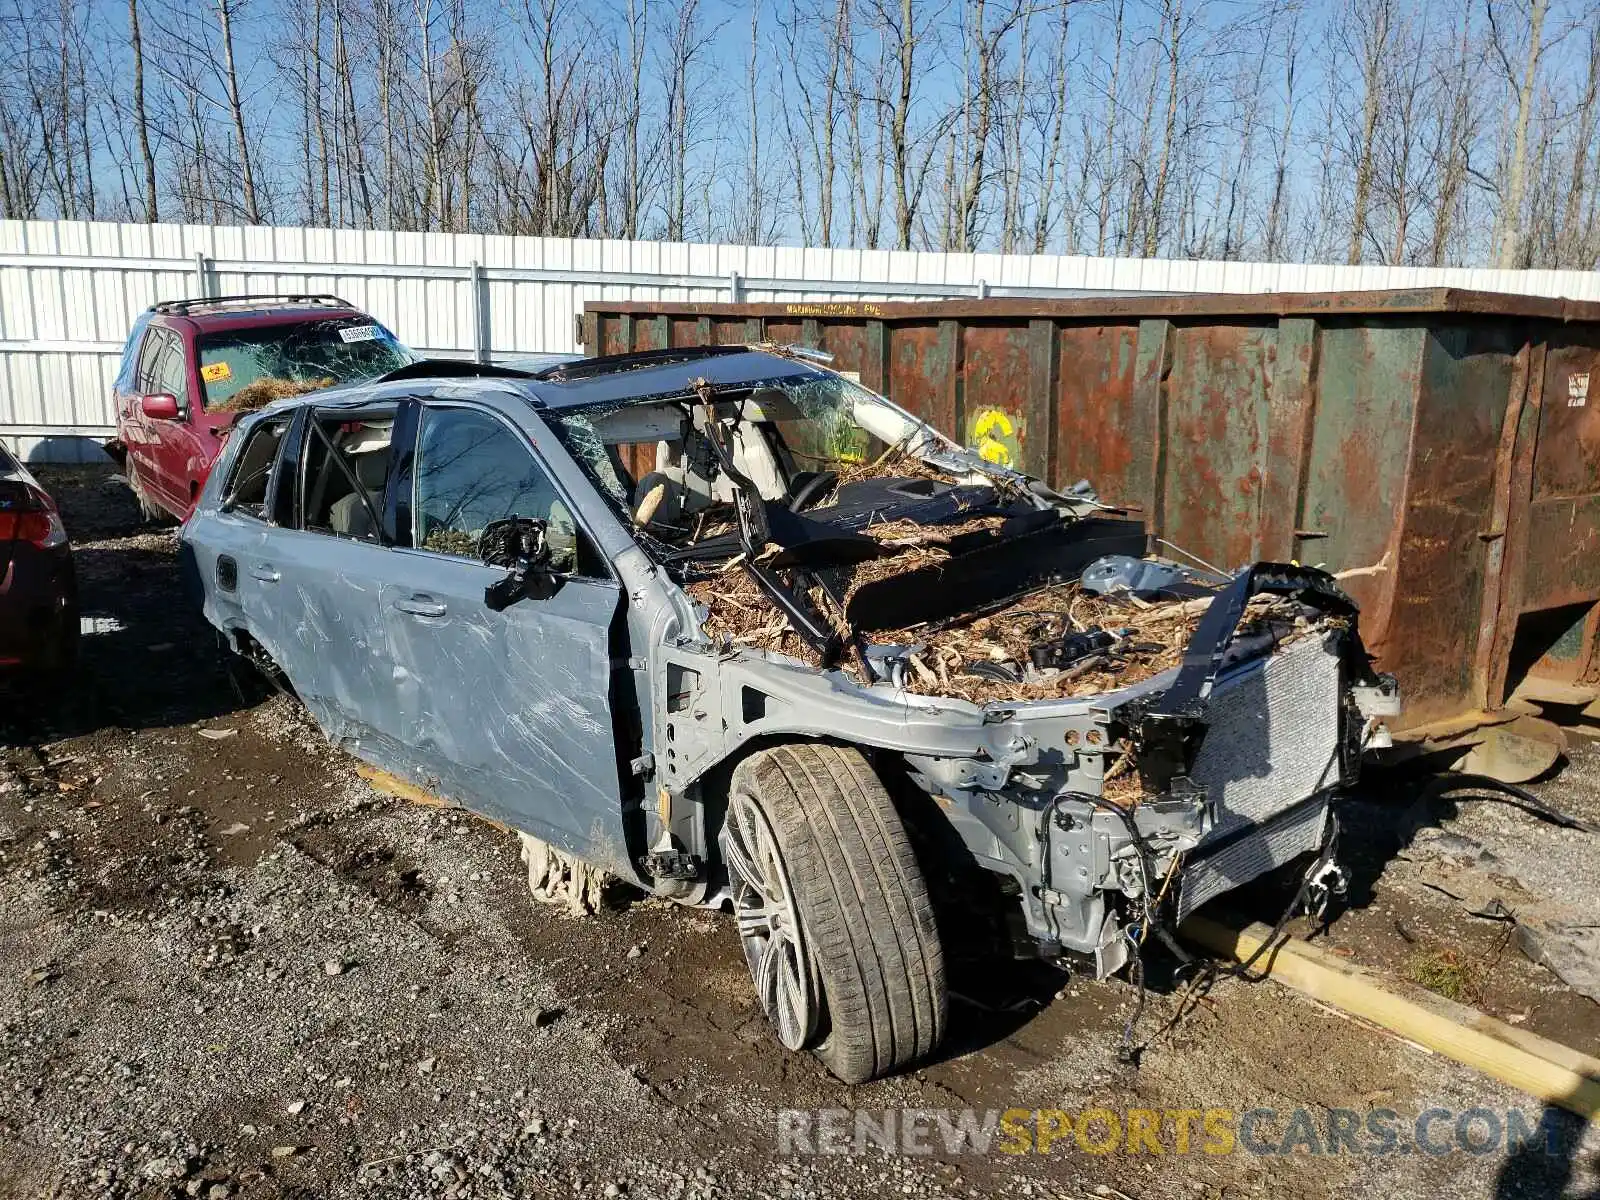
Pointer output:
x,y
818,485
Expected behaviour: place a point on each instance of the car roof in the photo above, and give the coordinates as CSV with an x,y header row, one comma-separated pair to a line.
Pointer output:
x,y
611,380
632,378
535,363
217,313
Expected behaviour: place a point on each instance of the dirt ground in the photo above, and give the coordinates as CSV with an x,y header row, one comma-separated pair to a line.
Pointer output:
x,y
228,967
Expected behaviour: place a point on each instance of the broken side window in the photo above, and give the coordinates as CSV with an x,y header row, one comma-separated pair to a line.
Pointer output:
x,y
473,469
346,468
252,474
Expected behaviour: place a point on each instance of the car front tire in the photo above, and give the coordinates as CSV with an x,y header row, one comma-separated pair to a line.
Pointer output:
x,y
834,915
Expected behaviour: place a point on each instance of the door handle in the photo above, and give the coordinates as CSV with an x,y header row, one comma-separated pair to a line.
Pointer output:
x,y
420,606
265,572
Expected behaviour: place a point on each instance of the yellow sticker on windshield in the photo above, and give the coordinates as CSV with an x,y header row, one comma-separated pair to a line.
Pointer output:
x,y
216,372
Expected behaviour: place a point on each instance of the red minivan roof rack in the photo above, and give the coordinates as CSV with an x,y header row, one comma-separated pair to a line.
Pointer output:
x,y
195,303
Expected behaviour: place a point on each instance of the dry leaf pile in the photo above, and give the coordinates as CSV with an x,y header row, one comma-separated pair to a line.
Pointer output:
x,y
264,391
894,462
1051,613
740,616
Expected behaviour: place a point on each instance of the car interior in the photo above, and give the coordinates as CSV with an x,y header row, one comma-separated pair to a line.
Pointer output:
x,y
252,475
346,474
658,463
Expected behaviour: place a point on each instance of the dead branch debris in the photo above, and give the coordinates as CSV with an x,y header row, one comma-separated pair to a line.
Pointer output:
x,y
740,616
896,462
263,392
1158,635
1152,635
906,533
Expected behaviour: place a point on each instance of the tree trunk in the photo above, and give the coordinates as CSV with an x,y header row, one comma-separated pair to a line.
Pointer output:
x,y
358,158
66,157
836,45
1280,166
753,233
1013,180
1453,174
1374,53
152,207
320,118
1576,236
1516,184
252,210
437,199
1052,157
1152,237
1108,171
638,26
901,151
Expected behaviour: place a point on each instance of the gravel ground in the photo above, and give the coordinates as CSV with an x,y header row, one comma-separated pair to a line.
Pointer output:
x,y
228,967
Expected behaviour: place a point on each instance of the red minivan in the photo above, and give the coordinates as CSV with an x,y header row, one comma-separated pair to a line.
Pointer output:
x,y
190,366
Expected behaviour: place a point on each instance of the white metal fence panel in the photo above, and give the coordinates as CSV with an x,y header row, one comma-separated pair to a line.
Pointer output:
x,y
69,290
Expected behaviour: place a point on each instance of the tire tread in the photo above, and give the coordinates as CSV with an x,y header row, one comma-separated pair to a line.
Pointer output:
x,y
865,906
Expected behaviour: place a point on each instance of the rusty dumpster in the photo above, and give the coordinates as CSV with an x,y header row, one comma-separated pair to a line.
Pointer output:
x,y
1443,444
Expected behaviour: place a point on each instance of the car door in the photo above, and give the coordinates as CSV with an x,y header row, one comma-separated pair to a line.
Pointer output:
x,y
176,442
142,434
314,588
511,709
233,540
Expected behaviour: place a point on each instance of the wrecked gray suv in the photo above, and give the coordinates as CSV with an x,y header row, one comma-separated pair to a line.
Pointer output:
x,y
726,625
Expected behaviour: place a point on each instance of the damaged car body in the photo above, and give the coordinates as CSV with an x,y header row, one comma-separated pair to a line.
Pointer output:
x,y
727,625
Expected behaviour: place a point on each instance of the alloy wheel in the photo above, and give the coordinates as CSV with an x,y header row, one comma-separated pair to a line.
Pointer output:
x,y
769,924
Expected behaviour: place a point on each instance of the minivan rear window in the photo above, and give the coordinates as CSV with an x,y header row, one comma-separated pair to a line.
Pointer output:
x,y
244,369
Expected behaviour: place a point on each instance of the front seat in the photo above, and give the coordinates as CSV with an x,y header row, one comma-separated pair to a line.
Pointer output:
x,y
349,517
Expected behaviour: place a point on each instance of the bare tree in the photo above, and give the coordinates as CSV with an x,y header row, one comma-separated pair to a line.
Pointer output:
x,y
1172,13
1524,79
910,150
1050,148
1277,223
1108,173
638,29
1452,145
152,205
1366,130
225,14
1578,241
1365,34
686,45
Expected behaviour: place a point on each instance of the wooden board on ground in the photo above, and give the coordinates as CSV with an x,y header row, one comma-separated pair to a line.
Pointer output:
x,y
393,785
1547,1070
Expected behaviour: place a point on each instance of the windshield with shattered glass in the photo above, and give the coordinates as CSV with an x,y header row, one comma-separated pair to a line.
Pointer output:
x,y
283,360
781,432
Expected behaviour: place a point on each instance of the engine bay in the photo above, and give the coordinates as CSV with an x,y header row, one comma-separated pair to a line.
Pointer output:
x,y
814,519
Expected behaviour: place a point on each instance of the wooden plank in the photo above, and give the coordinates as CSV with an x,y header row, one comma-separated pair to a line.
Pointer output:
x,y
393,785
1544,1069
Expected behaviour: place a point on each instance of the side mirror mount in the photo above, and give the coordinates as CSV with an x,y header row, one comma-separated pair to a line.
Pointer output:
x,y
160,407
519,545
